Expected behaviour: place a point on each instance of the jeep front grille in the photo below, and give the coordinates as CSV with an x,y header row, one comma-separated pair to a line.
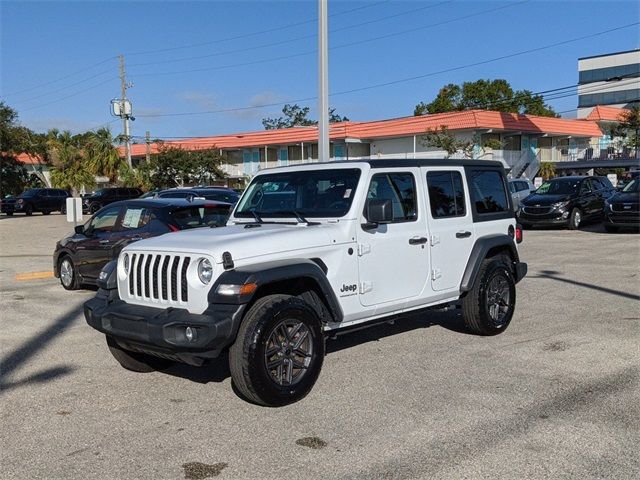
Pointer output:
x,y
159,277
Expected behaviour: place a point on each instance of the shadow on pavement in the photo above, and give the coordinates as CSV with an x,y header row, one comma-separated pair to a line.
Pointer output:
x,y
552,275
21,355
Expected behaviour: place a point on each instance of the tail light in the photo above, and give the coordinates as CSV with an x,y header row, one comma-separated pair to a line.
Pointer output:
x,y
173,228
519,235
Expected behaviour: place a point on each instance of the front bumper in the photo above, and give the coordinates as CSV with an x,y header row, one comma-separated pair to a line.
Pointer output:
x,y
7,208
547,219
631,219
161,332
520,269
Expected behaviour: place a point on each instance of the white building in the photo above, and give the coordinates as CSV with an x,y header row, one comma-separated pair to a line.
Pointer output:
x,y
611,80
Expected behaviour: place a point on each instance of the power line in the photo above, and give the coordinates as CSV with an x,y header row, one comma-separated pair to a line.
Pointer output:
x,y
553,94
70,96
345,45
402,80
60,78
260,32
311,52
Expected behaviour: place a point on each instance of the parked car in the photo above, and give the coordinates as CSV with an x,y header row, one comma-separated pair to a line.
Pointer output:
x,y
45,200
312,250
622,210
520,189
210,193
566,201
79,257
105,196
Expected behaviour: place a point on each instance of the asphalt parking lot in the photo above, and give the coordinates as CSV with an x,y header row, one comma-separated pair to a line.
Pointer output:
x,y
556,396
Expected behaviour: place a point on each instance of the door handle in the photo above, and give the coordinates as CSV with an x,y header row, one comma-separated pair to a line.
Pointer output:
x,y
463,234
103,242
418,240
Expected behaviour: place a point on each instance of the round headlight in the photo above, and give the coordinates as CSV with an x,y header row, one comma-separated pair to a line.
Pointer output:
x,y
205,270
125,263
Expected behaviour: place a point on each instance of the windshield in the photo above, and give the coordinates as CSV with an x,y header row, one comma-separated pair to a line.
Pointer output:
x,y
559,187
632,187
99,193
308,193
203,216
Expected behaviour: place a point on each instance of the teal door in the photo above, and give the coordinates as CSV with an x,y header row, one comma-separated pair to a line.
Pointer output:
x,y
251,161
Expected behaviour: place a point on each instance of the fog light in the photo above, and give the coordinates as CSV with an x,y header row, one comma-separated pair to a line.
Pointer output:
x,y
190,333
565,215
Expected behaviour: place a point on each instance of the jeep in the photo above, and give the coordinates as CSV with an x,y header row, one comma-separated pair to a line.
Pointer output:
x,y
311,251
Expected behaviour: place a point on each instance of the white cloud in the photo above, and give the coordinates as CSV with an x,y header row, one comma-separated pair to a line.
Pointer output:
x,y
206,101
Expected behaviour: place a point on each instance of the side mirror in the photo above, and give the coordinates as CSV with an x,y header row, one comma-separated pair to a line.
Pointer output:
x,y
379,211
79,229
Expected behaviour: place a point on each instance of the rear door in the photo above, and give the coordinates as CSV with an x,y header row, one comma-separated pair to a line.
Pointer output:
x,y
450,225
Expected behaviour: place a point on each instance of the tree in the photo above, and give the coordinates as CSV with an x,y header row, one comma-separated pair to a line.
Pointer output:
x,y
443,139
297,116
101,155
13,176
547,170
173,166
629,127
69,169
485,95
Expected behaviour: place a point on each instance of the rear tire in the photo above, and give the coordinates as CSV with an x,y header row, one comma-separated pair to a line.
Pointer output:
x,y
278,353
28,211
9,214
611,228
575,220
488,308
135,361
46,212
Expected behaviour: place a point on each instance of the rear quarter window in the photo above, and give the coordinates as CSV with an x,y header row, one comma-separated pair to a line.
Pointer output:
x,y
488,192
200,216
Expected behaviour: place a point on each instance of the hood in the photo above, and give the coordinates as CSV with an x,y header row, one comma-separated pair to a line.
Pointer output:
x,y
242,242
545,200
625,197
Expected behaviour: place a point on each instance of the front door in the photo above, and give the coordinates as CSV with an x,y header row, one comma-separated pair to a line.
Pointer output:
x,y
95,252
393,258
450,225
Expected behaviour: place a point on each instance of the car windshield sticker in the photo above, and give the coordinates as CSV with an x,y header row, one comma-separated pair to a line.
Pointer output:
x,y
132,218
347,193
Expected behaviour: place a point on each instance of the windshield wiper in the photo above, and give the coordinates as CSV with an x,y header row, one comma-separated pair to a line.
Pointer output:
x,y
300,219
256,216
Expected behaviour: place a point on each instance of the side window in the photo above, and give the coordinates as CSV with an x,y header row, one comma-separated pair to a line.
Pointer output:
x,y
400,188
522,186
104,221
446,194
586,186
135,217
488,191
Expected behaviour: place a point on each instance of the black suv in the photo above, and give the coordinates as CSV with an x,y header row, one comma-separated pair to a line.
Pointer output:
x,y
210,193
623,209
45,200
566,201
94,202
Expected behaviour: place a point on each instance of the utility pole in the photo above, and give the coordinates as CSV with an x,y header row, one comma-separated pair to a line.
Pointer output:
x,y
147,137
123,112
323,83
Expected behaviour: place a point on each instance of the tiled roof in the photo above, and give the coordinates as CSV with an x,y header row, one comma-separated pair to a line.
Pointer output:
x,y
397,127
602,113
29,159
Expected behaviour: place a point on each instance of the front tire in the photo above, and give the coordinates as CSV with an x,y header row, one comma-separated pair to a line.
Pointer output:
x,y
278,353
28,211
488,308
135,361
69,278
94,208
46,212
575,220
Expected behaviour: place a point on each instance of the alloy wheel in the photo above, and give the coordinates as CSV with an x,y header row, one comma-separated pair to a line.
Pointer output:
x,y
288,352
498,299
66,272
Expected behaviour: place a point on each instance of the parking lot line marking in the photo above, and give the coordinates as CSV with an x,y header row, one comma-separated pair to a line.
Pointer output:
x,y
33,276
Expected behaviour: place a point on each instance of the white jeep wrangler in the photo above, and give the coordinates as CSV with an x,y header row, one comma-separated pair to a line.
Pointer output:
x,y
313,249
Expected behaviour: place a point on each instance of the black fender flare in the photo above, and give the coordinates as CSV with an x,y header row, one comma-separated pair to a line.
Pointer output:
x,y
263,274
479,252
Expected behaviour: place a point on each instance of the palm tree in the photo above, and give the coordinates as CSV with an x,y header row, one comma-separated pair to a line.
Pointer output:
x,y
101,155
69,170
547,170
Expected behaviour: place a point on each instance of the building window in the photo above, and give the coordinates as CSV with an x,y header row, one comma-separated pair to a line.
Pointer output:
x,y
446,194
609,98
607,73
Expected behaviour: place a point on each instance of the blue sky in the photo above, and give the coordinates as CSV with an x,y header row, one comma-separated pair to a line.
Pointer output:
x,y
44,41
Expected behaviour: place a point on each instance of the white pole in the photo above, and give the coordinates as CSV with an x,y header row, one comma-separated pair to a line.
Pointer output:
x,y
323,83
